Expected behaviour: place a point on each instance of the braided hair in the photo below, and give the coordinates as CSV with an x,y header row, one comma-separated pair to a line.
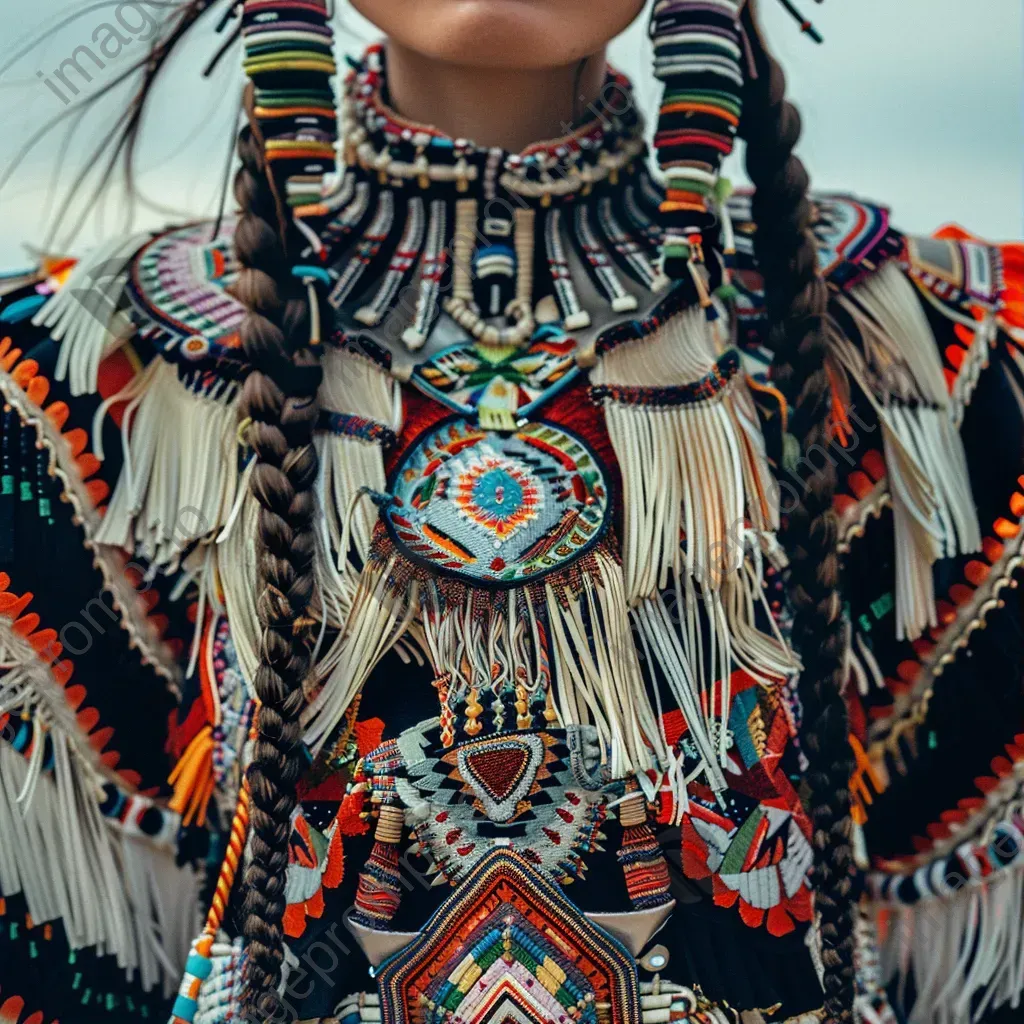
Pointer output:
x,y
796,299
721,81
279,403
279,409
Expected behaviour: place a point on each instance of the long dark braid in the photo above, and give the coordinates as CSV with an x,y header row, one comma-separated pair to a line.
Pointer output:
x,y
280,401
797,301
279,408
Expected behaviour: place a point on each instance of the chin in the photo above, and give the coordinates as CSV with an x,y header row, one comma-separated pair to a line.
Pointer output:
x,y
502,33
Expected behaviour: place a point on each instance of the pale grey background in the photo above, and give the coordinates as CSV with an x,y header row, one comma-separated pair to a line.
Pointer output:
x,y
915,103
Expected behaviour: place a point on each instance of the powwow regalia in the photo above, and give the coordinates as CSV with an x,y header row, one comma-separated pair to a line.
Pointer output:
x,y
554,738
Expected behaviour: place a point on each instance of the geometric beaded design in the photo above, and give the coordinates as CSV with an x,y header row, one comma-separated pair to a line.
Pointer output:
x,y
508,946
497,509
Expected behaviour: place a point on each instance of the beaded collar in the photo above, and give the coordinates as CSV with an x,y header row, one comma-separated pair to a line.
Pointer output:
x,y
405,153
455,242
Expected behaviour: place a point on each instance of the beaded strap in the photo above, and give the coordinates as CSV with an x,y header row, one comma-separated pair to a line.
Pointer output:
x,y
698,52
200,962
641,856
379,892
289,55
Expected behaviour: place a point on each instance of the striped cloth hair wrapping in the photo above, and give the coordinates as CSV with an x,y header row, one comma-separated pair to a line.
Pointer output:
x,y
698,54
290,58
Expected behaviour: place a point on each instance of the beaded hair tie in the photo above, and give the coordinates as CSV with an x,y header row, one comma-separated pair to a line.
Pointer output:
x,y
289,56
698,55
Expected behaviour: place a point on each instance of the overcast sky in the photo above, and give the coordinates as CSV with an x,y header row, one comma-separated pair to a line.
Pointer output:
x,y
918,104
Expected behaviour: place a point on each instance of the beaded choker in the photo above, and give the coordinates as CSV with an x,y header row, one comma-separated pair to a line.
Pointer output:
x,y
401,151
498,241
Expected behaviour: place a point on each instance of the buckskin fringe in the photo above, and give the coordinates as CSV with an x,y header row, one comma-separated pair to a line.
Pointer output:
x,y
120,893
350,447
351,459
958,942
596,659
900,373
237,571
87,315
686,435
699,503
568,636
380,614
181,475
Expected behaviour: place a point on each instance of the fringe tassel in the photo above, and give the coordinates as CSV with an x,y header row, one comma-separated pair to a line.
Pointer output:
x,y
933,509
699,503
379,616
900,373
671,453
570,638
84,315
115,891
356,386
349,466
180,475
237,572
595,659
192,779
941,454
676,652
122,896
960,949
899,343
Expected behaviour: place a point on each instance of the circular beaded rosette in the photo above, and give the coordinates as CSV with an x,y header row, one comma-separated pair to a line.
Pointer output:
x,y
498,509
179,283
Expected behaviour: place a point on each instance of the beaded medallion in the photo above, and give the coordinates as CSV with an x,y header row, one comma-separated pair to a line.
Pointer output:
x,y
494,508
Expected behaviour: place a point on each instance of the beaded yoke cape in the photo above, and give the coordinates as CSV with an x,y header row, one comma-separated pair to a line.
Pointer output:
x,y
553,726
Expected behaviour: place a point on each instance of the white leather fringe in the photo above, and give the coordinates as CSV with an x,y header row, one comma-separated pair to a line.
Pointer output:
x,y
114,891
87,316
180,476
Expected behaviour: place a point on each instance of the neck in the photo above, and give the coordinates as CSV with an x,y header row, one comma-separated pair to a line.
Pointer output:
x,y
507,108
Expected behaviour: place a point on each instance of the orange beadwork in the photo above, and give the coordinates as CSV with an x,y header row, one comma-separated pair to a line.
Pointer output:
x,y
25,373
228,870
977,573
12,1008
46,644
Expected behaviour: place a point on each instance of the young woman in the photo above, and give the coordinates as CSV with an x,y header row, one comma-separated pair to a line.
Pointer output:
x,y
473,515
